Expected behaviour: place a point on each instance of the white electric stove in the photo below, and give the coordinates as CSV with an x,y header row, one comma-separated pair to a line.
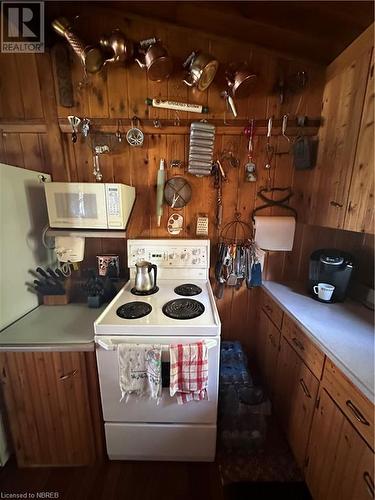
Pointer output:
x,y
141,429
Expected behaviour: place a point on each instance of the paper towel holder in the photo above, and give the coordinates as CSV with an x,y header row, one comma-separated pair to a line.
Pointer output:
x,y
274,203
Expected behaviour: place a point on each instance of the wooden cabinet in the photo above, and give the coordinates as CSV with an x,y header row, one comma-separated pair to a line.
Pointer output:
x,y
339,464
358,409
307,350
267,350
52,407
273,311
360,212
295,395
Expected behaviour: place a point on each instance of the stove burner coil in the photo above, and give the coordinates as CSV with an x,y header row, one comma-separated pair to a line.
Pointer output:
x,y
183,309
188,290
134,310
134,291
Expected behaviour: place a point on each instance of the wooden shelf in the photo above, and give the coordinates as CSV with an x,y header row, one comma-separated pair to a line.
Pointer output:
x,y
88,233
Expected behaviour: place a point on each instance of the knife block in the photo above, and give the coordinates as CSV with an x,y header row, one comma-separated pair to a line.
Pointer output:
x,y
56,300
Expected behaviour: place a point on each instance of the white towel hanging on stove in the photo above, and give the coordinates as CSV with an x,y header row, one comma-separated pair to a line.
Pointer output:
x,y
139,371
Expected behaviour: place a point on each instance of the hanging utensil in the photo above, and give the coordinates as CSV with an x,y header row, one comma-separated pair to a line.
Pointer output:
x,y
118,133
202,69
134,135
160,191
122,49
156,61
85,127
91,57
270,150
98,150
284,126
250,167
74,123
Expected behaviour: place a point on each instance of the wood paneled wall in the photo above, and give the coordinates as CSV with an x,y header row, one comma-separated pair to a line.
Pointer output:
x,y
32,122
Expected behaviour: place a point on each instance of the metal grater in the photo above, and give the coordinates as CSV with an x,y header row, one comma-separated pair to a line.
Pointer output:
x,y
202,139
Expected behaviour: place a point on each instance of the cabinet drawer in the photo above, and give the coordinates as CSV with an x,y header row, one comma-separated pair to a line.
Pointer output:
x,y
273,311
305,348
358,409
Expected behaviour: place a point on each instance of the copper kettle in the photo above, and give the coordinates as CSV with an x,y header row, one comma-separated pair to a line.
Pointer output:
x,y
121,48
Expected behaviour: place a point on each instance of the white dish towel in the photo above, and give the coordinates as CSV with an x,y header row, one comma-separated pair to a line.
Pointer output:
x,y
139,371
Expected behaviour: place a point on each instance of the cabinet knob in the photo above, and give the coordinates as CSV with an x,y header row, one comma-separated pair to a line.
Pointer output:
x,y
304,388
369,483
68,375
336,204
298,343
357,414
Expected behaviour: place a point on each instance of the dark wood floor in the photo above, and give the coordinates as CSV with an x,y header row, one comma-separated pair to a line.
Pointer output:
x,y
118,481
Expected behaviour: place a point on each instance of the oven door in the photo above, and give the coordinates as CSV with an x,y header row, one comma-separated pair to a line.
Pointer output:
x,y
76,205
141,410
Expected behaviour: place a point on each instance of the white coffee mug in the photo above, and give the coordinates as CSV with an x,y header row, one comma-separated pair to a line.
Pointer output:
x,y
324,291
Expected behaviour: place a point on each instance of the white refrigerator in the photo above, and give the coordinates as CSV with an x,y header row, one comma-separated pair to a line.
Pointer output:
x,y
23,216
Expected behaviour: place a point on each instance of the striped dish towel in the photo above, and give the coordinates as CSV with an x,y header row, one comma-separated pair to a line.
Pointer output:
x,y
189,372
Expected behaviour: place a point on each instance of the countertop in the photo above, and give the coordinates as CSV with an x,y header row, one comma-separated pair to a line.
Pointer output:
x,y
343,331
52,328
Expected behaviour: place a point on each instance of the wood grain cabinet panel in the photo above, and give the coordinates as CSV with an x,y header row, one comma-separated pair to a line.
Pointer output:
x,y
358,409
343,100
340,465
306,349
296,390
360,212
51,412
268,350
273,311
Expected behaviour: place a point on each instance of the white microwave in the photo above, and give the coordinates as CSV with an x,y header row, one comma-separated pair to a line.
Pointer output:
x,y
89,205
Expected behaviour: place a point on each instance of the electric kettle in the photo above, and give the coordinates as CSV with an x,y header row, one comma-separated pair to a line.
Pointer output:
x,y
145,280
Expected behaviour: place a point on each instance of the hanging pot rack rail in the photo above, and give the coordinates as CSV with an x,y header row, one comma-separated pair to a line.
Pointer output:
x,y
169,126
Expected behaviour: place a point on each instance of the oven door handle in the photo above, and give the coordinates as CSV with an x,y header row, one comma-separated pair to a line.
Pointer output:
x,y
108,345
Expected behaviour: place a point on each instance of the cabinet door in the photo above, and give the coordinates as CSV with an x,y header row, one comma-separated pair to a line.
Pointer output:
x,y
360,212
48,407
295,395
340,464
268,349
342,110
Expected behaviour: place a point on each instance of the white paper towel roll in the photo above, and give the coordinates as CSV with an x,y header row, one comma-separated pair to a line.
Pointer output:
x,y
275,233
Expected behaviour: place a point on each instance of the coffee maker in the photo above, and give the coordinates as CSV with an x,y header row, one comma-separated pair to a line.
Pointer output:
x,y
331,266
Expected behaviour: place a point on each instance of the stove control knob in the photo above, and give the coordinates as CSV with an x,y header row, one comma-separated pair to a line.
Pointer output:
x,y
184,256
140,251
196,261
173,255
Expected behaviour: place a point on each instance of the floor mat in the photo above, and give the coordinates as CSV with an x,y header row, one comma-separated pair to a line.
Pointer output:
x,y
272,463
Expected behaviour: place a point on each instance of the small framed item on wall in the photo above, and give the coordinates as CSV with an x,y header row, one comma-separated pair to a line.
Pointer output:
x,y
108,265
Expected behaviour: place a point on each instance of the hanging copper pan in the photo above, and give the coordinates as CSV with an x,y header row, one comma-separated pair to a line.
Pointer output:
x,y
241,80
156,61
202,69
91,57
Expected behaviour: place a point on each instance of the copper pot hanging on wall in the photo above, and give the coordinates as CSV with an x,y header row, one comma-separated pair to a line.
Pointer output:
x,y
202,69
240,80
156,61
91,57
121,49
